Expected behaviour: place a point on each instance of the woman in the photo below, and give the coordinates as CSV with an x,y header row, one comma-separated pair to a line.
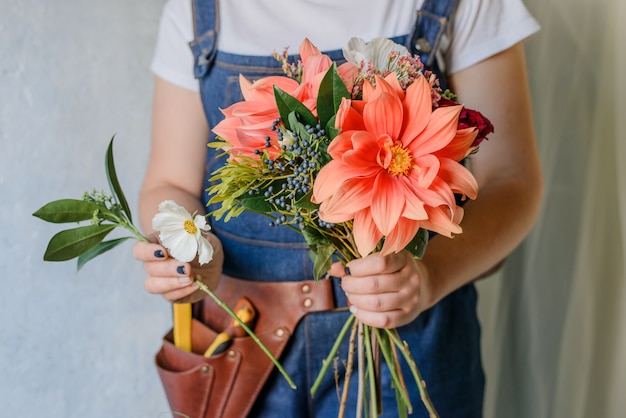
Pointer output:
x,y
431,300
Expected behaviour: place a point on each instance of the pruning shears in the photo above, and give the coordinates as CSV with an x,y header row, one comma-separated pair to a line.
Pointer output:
x,y
247,314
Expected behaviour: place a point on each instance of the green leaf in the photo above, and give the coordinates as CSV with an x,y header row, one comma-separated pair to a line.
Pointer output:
x,y
322,259
256,204
418,244
296,126
305,202
101,248
287,104
114,184
331,131
332,90
315,238
73,242
68,210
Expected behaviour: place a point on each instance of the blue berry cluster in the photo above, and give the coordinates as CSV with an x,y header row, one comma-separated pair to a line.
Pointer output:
x,y
292,174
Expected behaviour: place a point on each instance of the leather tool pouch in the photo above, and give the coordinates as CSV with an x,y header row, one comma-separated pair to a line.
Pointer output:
x,y
226,385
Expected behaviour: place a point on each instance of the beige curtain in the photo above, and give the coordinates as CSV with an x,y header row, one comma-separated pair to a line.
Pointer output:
x,y
554,320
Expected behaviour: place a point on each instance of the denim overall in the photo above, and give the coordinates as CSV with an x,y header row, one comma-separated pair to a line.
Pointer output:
x,y
444,340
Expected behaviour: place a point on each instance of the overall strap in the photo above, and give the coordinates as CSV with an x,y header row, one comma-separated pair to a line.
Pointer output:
x,y
431,23
205,31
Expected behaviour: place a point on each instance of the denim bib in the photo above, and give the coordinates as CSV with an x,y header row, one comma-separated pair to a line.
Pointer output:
x,y
444,341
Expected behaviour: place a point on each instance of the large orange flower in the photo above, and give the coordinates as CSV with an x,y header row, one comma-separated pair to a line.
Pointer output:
x,y
248,124
395,166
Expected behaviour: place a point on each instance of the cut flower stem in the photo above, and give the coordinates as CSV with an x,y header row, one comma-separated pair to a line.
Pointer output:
x,y
256,339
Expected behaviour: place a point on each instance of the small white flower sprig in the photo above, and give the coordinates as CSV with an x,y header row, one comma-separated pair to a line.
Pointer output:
x,y
179,231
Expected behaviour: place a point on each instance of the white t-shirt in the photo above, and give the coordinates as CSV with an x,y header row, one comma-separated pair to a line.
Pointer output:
x,y
479,29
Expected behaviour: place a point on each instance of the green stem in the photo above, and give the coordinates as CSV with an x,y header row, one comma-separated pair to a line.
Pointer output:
x,y
370,371
331,354
421,384
248,330
394,369
361,384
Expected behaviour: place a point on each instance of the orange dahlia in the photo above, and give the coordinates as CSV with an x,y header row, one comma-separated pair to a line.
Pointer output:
x,y
395,166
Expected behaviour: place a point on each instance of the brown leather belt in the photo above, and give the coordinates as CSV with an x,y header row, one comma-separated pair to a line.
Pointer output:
x,y
228,384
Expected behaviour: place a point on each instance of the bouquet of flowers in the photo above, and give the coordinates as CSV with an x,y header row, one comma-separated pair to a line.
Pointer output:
x,y
363,157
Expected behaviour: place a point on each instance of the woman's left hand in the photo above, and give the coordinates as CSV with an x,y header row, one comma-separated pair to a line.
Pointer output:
x,y
385,292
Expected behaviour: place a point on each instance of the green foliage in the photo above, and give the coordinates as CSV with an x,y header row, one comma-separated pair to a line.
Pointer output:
x,y
68,210
418,244
71,243
332,90
287,104
103,211
114,184
98,249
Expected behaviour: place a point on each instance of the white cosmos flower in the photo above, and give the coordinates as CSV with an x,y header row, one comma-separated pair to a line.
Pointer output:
x,y
181,233
375,53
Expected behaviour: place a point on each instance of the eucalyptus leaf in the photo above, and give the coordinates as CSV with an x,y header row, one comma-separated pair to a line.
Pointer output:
x,y
68,210
418,244
73,242
101,248
114,184
287,104
332,90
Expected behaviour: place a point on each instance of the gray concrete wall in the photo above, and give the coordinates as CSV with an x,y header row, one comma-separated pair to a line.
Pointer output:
x,y
72,74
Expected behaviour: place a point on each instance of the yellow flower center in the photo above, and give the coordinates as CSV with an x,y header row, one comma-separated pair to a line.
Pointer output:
x,y
190,227
401,161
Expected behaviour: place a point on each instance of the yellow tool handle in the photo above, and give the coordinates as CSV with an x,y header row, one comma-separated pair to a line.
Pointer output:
x,y
221,342
182,325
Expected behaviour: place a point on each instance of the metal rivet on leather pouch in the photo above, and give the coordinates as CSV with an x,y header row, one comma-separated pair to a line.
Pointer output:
x,y
306,288
308,303
280,332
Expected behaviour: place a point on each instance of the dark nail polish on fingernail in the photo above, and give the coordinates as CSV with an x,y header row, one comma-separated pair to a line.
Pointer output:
x,y
159,254
180,269
347,270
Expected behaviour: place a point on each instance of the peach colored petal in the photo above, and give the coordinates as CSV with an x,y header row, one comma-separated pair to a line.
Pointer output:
x,y
436,194
459,178
441,221
392,83
315,67
400,237
331,178
417,110
414,206
307,49
348,73
460,145
363,154
352,196
226,129
440,131
366,235
387,202
426,171
383,115
348,117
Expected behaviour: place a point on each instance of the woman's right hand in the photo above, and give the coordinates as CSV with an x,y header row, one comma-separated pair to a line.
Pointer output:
x,y
173,279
